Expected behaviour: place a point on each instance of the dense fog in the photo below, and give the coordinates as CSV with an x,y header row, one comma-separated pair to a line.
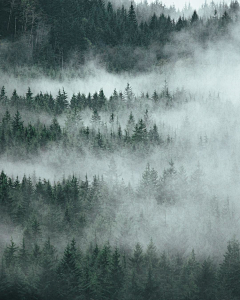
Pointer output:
x,y
115,157
203,129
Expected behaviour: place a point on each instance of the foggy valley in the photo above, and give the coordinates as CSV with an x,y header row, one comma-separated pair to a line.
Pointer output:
x,y
119,150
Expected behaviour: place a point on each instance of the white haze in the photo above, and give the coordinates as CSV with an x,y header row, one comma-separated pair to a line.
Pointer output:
x,y
215,70
179,4
212,76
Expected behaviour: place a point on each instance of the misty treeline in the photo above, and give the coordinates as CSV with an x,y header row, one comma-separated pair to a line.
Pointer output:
x,y
37,268
86,180
73,203
21,140
95,128
110,273
107,214
56,34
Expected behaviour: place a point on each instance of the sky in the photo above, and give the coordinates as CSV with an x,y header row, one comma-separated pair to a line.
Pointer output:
x,y
180,3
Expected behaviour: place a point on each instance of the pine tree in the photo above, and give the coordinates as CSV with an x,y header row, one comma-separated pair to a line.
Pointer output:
x,y
103,277
17,126
23,257
95,117
132,27
195,18
149,183
36,254
154,136
15,100
153,23
167,186
10,254
101,99
128,94
61,102
29,99
179,24
155,96
3,96
36,229
140,132
207,281
47,277
116,276
151,287
224,22
132,19
69,272
6,118
55,130
130,124
137,272
5,198
189,275
51,103
230,271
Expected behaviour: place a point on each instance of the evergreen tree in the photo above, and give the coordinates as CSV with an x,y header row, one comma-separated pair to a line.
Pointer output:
x,y
61,102
130,124
10,254
29,99
195,18
116,279
17,126
137,272
230,271
3,96
48,275
132,26
101,99
69,272
95,117
189,275
5,198
55,130
149,183
140,132
103,277
23,257
207,281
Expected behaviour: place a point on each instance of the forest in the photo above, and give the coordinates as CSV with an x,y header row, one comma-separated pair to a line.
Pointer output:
x,y
55,34
119,150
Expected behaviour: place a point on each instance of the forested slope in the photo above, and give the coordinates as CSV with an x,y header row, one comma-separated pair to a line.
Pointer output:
x,y
56,34
121,194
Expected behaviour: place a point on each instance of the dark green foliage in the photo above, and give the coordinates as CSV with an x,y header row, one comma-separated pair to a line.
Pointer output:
x,y
54,32
230,271
5,198
116,276
69,273
188,278
207,280
61,102
50,34
29,99
195,18
3,96
55,130
10,254
47,281
104,273
17,126
140,132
